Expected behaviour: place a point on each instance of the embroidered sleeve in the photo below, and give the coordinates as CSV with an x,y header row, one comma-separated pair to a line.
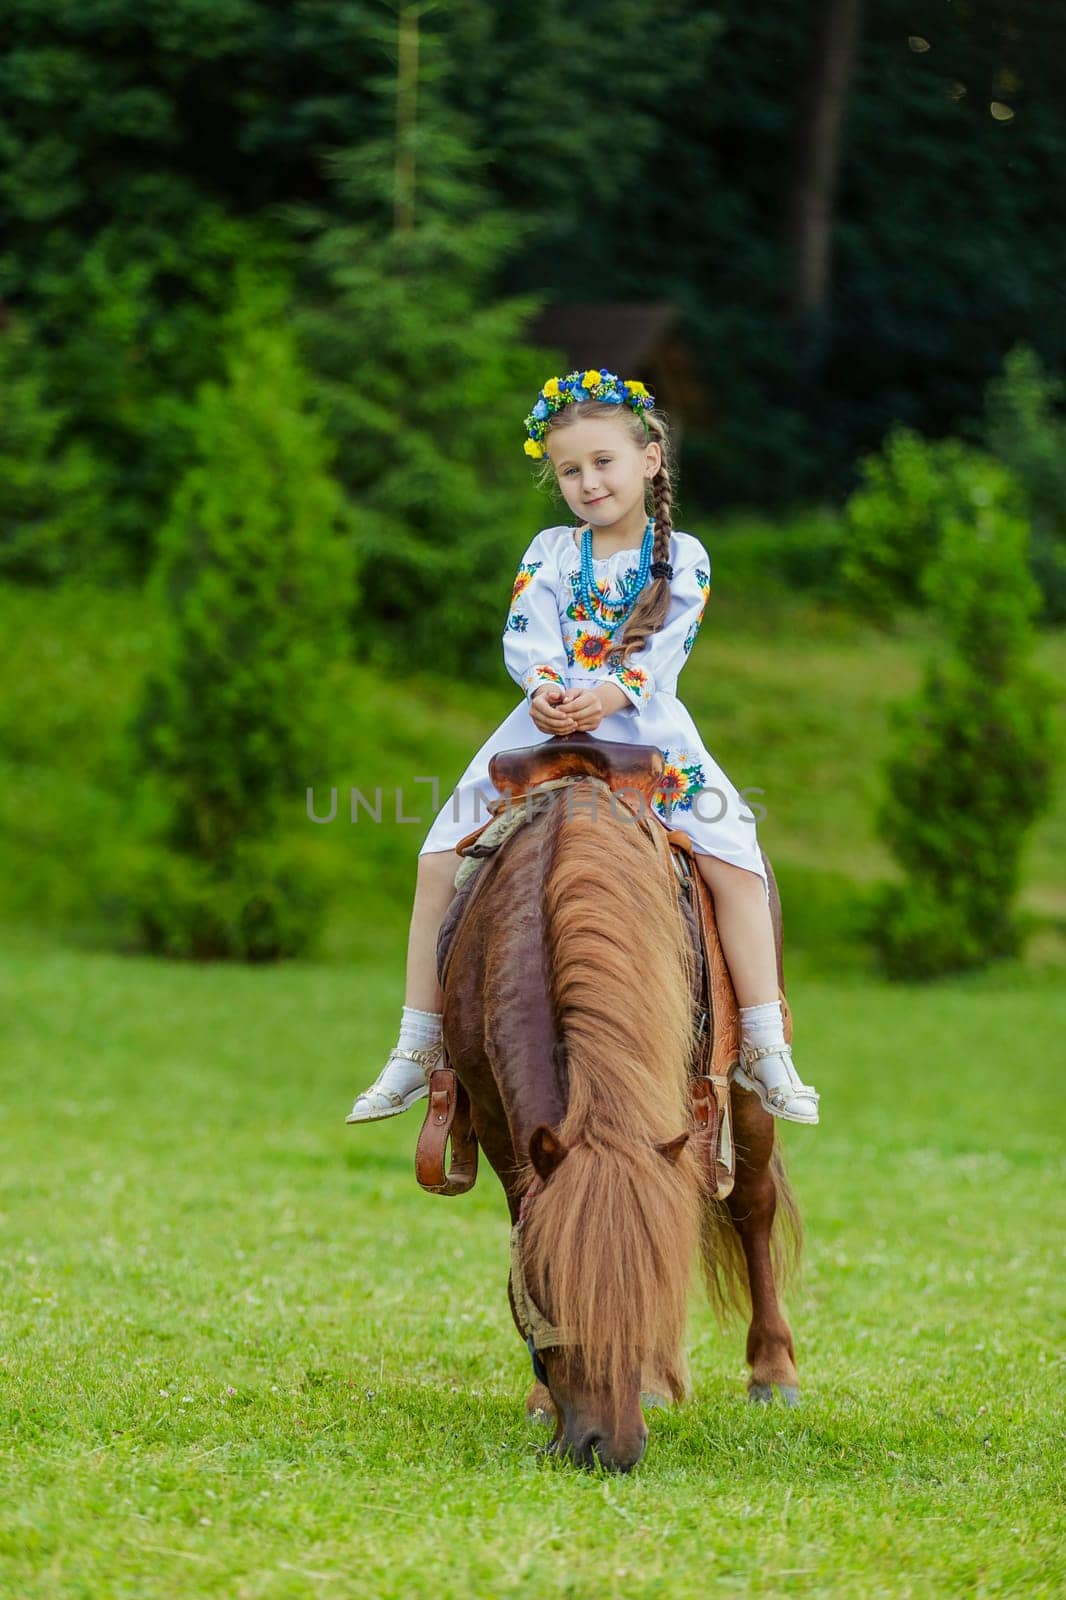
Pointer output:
x,y
657,664
533,648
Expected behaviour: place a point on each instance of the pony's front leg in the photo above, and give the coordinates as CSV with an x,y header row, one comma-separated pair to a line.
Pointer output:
x,y
752,1206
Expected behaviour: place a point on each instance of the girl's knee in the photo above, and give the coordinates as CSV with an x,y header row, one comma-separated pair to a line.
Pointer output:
x,y
437,864
724,875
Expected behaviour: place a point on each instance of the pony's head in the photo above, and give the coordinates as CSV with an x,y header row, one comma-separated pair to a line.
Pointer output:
x,y
608,1245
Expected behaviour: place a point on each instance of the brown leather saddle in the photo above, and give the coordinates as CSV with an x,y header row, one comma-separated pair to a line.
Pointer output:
x,y
631,772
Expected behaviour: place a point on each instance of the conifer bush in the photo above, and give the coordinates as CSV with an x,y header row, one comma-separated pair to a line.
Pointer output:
x,y
893,522
973,766
1024,425
255,572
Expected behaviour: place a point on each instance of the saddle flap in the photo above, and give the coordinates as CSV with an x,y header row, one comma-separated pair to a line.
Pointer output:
x,y
638,767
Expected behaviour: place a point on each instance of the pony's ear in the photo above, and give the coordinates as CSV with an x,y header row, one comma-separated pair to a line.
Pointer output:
x,y
671,1151
546,1151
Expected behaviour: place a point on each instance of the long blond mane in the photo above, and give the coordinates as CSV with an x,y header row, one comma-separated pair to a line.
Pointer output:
x,y
611,1240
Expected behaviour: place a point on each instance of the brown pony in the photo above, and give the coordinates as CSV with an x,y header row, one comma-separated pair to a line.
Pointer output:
x,y
568,1018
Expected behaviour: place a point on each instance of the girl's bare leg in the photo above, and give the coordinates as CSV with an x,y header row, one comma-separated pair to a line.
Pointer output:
x,y
433,893
742,912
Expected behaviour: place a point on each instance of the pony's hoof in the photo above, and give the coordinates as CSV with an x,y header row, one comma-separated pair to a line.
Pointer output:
x,y
762,1394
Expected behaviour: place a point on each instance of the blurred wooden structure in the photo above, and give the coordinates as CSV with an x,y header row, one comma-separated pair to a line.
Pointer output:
x,y
636,339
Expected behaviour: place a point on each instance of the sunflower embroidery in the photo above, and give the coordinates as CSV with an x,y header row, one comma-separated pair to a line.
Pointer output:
x,y
590,648
634,678
524,578
542,673
682,778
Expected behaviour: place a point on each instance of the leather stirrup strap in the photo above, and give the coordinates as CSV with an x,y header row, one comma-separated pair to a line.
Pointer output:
x,y
447,1115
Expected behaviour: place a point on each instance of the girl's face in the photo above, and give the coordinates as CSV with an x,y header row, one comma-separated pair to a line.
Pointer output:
x,y
600,470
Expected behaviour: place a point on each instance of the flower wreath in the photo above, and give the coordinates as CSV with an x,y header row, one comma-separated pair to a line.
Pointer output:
x,y
592,384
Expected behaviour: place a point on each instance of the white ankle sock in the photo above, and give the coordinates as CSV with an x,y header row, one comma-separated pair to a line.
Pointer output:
x,y
419,1029
762,1025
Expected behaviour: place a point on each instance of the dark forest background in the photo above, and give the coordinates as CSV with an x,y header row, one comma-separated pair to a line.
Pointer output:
x,y
858,209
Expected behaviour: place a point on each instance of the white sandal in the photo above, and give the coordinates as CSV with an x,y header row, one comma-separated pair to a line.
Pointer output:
x,y
379,1103
785,1101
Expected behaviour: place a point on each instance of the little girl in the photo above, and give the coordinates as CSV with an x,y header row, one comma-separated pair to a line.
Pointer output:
x,y
601,622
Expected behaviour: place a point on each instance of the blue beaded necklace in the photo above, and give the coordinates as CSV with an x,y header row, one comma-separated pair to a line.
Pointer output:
x,y
596,600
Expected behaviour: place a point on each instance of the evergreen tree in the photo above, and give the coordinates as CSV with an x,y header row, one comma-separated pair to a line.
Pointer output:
x,y
141,149
973,767
1025,426
255,571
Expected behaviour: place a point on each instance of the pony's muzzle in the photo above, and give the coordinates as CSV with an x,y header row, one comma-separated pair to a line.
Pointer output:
x,y
592,1449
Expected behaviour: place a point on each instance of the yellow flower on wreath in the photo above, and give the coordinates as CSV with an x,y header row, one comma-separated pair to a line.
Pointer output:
x,y
534,448
551,389
592,377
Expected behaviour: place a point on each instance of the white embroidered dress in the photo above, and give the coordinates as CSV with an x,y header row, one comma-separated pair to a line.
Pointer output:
x,y
549,637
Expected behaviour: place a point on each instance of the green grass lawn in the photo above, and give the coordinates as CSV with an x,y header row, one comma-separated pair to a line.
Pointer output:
x,y
244,1356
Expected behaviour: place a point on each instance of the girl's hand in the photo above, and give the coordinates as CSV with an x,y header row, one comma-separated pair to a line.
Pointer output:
x,y
545,709
585,707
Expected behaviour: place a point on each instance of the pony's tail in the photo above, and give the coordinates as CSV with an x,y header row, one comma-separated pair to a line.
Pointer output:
x,y
725,1271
